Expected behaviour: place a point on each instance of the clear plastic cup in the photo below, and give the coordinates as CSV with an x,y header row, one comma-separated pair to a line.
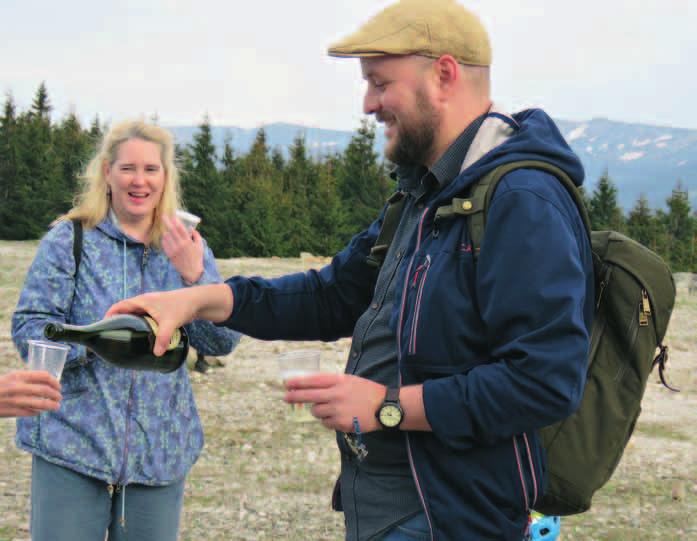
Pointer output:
x,y
299,363
48,356
189,220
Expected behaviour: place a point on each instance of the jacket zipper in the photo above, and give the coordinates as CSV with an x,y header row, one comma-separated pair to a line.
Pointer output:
x,y
399,370
529,502
122,475
419,294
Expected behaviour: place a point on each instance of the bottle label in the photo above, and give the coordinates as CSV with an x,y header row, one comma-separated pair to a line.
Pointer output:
x,y
176,336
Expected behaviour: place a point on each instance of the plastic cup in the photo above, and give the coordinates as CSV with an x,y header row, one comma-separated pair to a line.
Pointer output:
x,y
48,356
189,220
299,363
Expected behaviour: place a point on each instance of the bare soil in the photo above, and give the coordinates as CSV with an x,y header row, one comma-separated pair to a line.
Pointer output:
x,y
263,478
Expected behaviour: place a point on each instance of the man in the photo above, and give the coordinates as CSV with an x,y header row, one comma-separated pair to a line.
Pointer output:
x,y
456,360
28,392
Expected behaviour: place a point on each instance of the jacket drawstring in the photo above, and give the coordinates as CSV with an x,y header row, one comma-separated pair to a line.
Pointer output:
x,y
119,489
124,270
122,520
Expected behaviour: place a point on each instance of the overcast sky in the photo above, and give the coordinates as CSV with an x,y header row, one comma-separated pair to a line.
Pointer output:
x,y
252,62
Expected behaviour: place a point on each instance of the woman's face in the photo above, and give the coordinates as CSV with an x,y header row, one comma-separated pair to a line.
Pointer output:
x,y
136,179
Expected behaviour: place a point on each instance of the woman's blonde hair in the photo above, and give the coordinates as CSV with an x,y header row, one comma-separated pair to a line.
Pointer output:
x,y
92,202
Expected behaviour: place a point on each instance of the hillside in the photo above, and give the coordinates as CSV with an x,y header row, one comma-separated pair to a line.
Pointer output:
x,y
641,159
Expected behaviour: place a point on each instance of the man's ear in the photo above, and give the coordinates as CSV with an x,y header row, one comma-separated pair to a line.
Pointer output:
x,y
447,72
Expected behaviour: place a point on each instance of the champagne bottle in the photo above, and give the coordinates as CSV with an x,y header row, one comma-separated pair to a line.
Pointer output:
x,y
126,341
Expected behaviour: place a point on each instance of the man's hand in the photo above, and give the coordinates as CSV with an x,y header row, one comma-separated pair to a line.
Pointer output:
x,y
337,399
172,309
28,392
184,249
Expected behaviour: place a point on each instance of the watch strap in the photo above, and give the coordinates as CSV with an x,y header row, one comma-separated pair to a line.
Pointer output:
x,y
392,395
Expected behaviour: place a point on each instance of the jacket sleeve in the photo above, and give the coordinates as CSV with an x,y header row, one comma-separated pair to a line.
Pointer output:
x,y
534,288
319,304
206,337
47,292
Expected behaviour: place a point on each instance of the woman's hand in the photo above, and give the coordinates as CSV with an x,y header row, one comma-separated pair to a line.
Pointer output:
x,y
28,392
184,249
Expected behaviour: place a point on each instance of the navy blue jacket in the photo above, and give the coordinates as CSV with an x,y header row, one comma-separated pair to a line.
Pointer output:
x,y
500,345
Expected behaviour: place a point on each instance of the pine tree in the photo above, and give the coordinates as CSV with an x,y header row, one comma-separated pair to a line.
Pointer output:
x,y
73,148
9,177
201,184
680,229
641,224
41,106
362,183
96,133
38,170
604,212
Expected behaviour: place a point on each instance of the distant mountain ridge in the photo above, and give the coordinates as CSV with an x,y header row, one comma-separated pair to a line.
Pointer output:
x,y
641,159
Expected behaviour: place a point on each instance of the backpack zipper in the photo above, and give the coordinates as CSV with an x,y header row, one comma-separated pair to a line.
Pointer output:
x,y
645,311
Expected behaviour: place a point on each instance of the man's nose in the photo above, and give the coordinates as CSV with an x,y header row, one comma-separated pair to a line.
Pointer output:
x,y
371,103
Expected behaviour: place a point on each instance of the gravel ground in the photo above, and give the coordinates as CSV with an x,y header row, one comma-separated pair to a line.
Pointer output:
x,y
261,477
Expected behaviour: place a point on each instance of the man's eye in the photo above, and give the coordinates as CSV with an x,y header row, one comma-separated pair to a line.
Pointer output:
x,y
152,169
126,168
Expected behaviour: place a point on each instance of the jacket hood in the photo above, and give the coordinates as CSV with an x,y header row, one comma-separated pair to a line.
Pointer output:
x,y
110,227
504,138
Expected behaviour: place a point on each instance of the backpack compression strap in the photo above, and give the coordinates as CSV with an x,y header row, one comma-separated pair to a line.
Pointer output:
x,y
395,204
476,206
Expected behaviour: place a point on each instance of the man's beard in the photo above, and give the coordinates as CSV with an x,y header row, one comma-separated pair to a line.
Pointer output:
x,y
415,138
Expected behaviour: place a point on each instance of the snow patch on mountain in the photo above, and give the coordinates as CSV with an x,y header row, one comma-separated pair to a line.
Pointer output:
x,y
661,145
641,143
630,156
576,133
663,138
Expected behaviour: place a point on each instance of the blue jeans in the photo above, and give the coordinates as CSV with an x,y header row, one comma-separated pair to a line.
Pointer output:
x,y
414,529
68,506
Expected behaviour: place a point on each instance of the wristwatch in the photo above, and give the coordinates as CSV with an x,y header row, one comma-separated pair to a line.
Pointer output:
x,y
390,413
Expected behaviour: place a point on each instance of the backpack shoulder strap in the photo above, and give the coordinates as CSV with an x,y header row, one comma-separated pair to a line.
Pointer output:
x,y
77,243
395,204
476,206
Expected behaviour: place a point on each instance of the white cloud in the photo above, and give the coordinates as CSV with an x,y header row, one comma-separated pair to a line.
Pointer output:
x,y
252,62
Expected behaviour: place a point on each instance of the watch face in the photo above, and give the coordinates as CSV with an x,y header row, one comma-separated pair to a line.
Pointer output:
x,y
390,415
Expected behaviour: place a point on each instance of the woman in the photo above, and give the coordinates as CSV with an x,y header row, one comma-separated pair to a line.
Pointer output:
x,y
115,455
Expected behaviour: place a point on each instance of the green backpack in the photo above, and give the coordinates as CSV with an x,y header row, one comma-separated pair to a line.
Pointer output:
x,y
634,295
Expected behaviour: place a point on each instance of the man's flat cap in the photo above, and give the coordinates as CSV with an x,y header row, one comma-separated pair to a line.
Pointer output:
x,y
422,27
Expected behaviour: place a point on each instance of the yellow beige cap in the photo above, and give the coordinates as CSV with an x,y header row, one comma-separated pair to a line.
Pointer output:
x,y
422,27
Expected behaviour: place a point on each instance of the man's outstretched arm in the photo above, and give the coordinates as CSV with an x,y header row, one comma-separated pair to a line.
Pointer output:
x,y
172,309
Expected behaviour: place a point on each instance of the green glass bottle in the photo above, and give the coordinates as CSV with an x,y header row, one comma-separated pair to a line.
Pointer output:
x,y
125,340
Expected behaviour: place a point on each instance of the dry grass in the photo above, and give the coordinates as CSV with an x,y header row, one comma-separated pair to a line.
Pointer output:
x,y
261,478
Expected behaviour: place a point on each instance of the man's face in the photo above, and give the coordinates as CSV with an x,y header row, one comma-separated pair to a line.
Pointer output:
x,y
398,96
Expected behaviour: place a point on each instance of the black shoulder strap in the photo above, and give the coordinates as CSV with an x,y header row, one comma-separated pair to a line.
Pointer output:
x,y
77,243
395,204
476,206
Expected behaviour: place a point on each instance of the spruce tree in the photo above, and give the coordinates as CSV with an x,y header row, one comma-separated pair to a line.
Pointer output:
x,y
362,182
641,224
604,212
73,148
9,176
201,184
680,229
38,170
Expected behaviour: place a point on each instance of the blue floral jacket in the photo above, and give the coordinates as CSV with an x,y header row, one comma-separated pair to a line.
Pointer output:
x,y
117,425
